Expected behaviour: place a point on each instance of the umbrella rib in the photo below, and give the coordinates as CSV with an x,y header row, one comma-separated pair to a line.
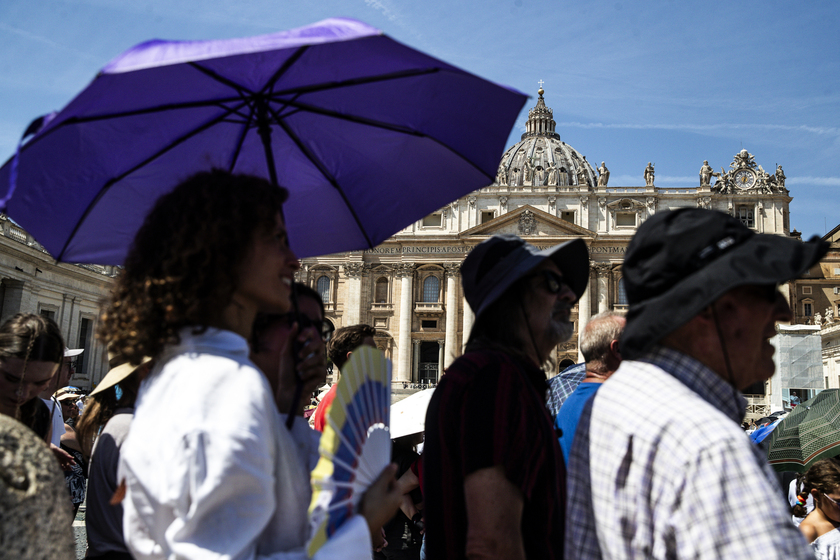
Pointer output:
x,y
221,79
269,85
108,184
383,125
353,118
155,109
327,175
241,141
359,81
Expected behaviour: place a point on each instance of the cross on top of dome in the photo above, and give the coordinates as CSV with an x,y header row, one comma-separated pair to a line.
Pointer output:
x,y
540,119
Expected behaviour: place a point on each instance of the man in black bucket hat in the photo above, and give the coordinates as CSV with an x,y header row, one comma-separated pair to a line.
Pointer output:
x,y
493,478
660,467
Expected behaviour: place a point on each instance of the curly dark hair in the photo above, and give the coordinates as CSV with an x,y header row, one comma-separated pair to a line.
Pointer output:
x,y
182,268
347,339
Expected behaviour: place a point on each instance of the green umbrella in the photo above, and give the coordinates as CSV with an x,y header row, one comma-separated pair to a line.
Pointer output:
x,y
810,433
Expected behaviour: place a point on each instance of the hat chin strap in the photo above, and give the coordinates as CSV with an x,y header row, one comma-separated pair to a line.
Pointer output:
x,y
730,376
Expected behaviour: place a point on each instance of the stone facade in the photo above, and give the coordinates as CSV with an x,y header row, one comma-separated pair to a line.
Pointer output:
x,y
32,282
816,296
546,192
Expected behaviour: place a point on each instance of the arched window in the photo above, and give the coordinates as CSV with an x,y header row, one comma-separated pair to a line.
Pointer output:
x,y
622,293
431,289
381,293
323,288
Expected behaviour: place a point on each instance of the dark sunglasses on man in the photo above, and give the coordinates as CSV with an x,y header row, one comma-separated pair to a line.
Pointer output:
x,y
553,281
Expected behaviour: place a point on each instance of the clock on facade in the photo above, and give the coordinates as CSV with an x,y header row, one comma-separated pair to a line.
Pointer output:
x,y
745,179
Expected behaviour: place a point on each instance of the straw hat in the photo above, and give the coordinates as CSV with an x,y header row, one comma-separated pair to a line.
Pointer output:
x,y
117,374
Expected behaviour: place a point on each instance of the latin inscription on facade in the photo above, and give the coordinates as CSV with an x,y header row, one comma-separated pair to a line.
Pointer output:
x,y
600,250
418,249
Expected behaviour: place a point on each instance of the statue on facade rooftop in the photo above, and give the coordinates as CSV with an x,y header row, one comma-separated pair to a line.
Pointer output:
x,y
501,176
780,177
649,175
603,175
706,174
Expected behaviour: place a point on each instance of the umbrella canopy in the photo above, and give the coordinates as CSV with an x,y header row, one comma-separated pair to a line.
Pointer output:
x,y
408,416
367,134
810,433
761,433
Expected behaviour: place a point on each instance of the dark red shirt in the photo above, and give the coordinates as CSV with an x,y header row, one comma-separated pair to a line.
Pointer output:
x,y
489,410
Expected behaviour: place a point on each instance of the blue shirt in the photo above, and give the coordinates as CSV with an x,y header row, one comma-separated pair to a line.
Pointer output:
x,y
563,385
567,419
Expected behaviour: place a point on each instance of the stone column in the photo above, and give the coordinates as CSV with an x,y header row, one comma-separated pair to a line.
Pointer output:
x,y
469,319
441,345
15,298
584,311
353,304
450,349
416,372
602,215
584,212
406,272
603,270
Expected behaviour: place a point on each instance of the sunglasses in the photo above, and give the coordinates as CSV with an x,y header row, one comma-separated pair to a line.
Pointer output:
x,y
323,326
553,281
832,500
768,292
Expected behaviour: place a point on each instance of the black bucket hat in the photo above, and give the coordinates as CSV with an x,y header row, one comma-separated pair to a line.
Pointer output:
x,y
495,264
681,261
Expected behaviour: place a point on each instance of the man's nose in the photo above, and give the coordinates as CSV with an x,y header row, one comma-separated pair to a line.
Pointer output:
x,y
566,293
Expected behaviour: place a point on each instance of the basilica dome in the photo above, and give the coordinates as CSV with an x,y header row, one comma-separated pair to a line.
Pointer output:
x,y
542,159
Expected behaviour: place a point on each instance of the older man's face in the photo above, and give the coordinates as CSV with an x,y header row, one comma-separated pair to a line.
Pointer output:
x,y
548,305
748,317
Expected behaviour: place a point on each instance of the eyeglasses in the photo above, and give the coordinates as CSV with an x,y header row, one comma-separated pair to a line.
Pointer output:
x,y
323,326
553,282
832,500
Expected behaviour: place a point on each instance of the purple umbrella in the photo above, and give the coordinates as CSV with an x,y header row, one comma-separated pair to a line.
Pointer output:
x,y
367,134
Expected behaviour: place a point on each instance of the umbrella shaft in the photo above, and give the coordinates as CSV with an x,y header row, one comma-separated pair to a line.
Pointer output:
x,y
264,130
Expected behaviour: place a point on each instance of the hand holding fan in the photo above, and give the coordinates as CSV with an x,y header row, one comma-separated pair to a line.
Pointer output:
x,y
355,445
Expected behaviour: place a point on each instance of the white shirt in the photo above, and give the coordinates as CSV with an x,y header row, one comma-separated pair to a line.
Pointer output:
x,y
665,471
210,470
57,421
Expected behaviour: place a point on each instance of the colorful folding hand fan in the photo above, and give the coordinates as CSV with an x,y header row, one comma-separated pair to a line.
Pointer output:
x,y
355,445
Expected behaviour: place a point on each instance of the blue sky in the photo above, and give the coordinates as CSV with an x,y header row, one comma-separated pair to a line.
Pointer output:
x,y
673,82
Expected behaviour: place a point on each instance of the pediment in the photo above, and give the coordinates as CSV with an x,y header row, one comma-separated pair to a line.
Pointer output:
x,y
530,224
626,205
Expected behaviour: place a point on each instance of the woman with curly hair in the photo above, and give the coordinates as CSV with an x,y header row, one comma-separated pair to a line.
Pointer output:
x,y
31,350
208,468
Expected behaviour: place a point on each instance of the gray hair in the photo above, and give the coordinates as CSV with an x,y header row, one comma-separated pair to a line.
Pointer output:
x,y
599,332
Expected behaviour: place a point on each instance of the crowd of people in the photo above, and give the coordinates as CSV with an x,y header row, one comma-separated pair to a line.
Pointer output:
x,y
195,445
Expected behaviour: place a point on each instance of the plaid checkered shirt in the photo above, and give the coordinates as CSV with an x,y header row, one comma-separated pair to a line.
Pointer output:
x,y
561,386
665,471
